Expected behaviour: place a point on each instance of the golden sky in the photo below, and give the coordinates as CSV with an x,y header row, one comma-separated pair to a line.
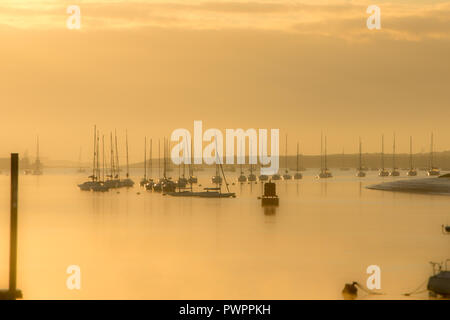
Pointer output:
x,y
154,66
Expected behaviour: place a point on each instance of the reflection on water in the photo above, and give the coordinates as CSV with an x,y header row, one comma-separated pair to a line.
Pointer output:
x,y
325,233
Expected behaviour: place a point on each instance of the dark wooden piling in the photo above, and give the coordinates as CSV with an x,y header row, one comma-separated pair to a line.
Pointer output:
x,y
13,293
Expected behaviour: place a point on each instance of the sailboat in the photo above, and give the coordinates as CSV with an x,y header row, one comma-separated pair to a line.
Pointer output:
x,y
297,175
411,172
276,176
127,182
37,171
99,185
113,179
360,173
324,172
286,175
144,180
209,192
158,185
150,183
432,171
251,177
394,172
242,178
167,185
192,178
262,177
383,172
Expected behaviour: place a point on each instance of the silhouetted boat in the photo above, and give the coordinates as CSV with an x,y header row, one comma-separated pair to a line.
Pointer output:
x,y
360,173
394,172
432,171
127,182
324,172
411,172
37,171
297,175
144,179
286,175
382,172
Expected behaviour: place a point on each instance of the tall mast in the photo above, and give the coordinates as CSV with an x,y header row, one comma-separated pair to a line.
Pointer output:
x,y
297,156
285,158
151,158
38,161
113,171
321,151
145,158
325,159
431,153
393,154
117,155
159,158
191,165
126,142
382,152
103,146
410,153
164,162
360,154
95,148
98,156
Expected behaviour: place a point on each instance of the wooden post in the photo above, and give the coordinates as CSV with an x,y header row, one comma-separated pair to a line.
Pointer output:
x,y
13,293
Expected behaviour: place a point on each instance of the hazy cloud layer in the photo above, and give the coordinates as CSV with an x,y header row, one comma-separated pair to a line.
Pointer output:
x,y
412,20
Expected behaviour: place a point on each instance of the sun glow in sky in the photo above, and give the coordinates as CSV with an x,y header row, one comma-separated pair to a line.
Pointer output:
x,y
154,66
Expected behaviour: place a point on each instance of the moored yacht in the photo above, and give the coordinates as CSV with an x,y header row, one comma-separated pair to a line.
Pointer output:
x,y
360,173
411,172
297,175
286,175
394,172
432,171
324,171
382,172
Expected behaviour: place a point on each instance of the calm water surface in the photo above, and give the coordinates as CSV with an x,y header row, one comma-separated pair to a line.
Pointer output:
x,y
149,246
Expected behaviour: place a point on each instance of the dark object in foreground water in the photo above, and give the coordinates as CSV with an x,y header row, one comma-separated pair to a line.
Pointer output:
x,y
445,229
350,291
270,197
12,293
439,282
